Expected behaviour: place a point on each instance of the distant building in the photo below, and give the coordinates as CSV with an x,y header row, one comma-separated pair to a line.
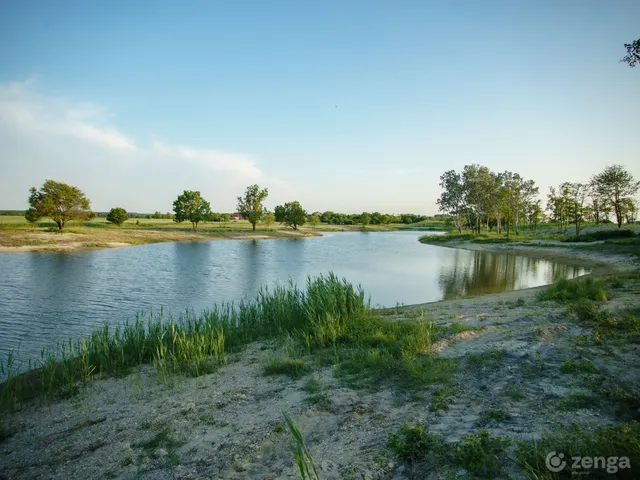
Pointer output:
x,y
236,216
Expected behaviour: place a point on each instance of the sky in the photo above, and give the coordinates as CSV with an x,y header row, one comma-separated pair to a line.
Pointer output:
x,y
344,105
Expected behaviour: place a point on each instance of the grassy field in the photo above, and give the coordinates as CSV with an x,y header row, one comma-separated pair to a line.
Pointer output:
x,y
17,233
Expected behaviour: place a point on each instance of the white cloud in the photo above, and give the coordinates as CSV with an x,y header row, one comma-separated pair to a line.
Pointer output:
x,y
22,107
213,159
43,136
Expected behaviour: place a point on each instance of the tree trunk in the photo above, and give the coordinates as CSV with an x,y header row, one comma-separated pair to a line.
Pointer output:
x,y
60,225
254,226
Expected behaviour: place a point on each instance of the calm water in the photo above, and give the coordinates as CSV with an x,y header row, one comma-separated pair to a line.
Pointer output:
x,y
48,297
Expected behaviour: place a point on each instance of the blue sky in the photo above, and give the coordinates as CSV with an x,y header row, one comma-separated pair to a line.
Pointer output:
x,y
343,105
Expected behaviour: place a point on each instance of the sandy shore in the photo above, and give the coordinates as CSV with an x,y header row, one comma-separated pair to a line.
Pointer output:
x,y
228,425
23,240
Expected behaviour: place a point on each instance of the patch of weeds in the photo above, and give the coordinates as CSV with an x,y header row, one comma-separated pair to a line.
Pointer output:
x,y
162,439
459,327
279,427
313,385
145,425
214,422
565,290
514,392
626,400
579,366
482,453
321,401
601,445
491,358
440,398
494,414
577,401
294,368
520,302
126,461
413,444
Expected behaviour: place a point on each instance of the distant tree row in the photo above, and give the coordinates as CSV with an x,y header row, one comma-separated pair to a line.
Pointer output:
x,y
609,193
478,197
366,218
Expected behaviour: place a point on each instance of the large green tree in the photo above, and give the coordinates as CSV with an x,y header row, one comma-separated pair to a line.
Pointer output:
x,y
614,184
192,207
250,206
291,214
117,216
452,198
60,202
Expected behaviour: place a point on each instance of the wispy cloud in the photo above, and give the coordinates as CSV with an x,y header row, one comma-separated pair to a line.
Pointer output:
x,y
44,136
22,107
213,159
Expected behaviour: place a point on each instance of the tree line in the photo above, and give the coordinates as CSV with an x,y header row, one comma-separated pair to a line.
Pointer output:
x,y
63,203
479,198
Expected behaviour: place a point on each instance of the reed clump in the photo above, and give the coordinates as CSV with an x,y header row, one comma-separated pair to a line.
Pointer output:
x,y
192,344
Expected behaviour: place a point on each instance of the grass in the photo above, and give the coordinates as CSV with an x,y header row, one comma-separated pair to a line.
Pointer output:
x,y
494,415
294,368
513,392
491,358
577,366
577,401
571,290
480,453
301,454
622,440
194,345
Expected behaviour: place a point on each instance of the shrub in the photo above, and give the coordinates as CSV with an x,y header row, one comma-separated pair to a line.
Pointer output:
x,y
582,288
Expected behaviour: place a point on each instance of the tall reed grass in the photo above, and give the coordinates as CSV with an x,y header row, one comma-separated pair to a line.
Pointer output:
x,y
194,344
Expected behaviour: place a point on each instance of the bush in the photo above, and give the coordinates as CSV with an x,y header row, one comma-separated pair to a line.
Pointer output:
x,y
117,216
602,235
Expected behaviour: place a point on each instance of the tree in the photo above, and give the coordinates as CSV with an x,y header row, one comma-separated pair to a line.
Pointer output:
x,y
614,184
314,220
250,206
365,219
60,202
576,194
633,53
291,214
191,206
452,199
268,219
117,216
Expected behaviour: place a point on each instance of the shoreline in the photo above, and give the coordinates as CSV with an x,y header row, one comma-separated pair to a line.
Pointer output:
x,y
72,241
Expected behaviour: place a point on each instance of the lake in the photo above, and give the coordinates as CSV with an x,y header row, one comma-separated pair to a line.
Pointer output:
x,y
49,297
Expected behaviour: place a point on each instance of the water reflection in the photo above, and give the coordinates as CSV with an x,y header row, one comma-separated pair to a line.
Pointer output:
x,y
476,273
46,298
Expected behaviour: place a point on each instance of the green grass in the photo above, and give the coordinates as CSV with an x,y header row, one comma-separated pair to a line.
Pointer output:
x,y
481,453
577,401
571,290
492,358
494,415
513,392
577,366
301,454
193,344
621,440
294,368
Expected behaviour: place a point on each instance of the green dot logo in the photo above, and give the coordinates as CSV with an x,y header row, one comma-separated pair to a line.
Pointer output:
x,y
555,462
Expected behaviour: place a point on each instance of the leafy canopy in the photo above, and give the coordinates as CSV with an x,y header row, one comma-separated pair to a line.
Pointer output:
x,y
117,216
291,214
633,53
60,202
250,206
192,207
